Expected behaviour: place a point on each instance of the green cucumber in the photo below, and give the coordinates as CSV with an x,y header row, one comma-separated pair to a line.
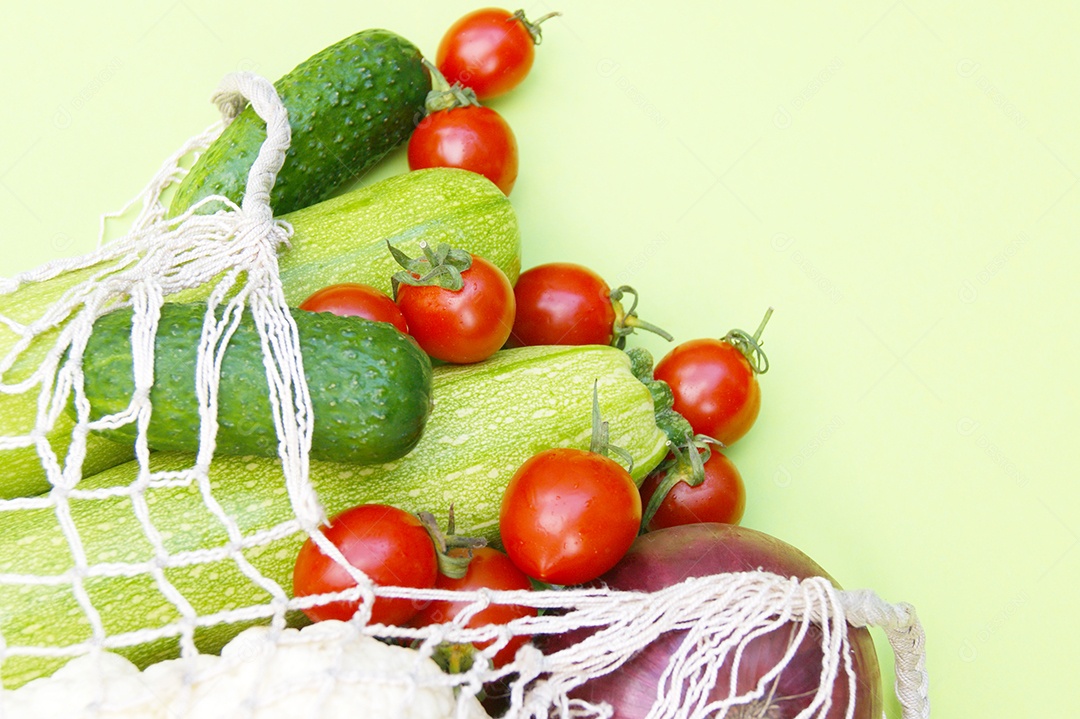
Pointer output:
x,y
348,106
487,419
370,385
339,240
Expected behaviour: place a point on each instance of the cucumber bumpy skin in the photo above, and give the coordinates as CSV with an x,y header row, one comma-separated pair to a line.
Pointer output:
x,y
488,418
348,106
339,240
370,385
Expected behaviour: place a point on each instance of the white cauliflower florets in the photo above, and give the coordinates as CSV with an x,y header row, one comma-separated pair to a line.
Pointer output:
x,y
325,670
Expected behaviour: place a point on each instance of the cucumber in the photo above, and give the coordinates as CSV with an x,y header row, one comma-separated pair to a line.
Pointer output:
x,y
487,419
348,106
339,240
370,385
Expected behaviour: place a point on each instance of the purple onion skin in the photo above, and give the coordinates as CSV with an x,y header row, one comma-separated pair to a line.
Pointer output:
x,y
668,556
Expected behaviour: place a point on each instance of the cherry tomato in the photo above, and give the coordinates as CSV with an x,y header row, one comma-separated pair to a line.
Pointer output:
x,y
488,568
355,300
469,137
715,384
388,544
461,326
720,497
569,515
715,387
489,50
561,303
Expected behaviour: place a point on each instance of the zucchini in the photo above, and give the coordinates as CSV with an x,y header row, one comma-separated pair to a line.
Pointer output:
x,y
345,237
348,106
339,240
370,385
487,419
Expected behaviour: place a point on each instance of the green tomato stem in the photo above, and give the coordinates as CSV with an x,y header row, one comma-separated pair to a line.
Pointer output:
x,y
441,267
626,321
687,465
750,345
533,26
443,95
599,443
452,567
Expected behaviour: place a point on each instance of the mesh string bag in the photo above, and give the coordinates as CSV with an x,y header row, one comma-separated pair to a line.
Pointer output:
x,y
234,252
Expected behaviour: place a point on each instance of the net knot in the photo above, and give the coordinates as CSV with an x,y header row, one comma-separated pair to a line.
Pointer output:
x,y
256,240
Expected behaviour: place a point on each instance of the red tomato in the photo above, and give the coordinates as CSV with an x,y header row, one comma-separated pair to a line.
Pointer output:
x,y
355,300
561,303
461,326
489,50
715,387
721,496
569,515
488,568
388,544
470,137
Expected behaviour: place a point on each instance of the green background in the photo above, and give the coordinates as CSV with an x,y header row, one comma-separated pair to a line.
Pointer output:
x,y
897,179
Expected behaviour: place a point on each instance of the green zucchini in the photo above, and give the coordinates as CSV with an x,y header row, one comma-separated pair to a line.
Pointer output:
x,y
370,385
339,240
346,236
348,106
487,419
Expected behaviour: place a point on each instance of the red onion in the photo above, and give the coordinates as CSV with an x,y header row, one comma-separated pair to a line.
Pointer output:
x,y
669,556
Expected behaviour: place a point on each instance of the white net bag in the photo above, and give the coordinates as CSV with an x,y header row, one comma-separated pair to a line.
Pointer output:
x,y
59,581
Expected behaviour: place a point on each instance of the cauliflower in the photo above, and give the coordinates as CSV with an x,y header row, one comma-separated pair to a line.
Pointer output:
x,y
329,669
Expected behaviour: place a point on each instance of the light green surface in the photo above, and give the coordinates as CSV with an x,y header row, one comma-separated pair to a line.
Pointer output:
x,y
898,180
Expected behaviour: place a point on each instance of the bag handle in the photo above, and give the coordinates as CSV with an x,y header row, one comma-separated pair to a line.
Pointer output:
x,y
235,92
864,608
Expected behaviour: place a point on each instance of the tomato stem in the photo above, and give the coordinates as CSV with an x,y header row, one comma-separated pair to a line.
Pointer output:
x,y
686,465
533,26
450,566
750,345
761,327
626,321
441,267
453,658
443,95
599,443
